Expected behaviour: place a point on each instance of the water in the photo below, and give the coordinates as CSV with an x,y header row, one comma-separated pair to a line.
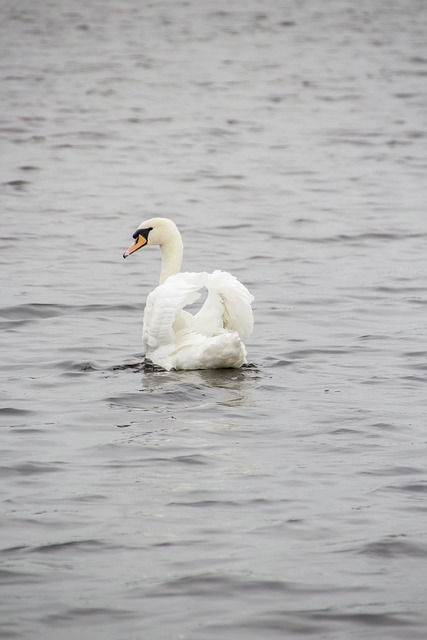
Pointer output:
x,y
288,142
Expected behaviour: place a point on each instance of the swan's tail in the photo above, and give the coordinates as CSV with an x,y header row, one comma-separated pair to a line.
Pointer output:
x,y
223,351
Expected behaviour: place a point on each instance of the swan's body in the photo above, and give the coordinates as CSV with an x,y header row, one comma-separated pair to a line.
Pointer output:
x,y
212,338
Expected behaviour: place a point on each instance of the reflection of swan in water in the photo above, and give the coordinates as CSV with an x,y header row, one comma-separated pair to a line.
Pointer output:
x,y
211,378
209,398
212,338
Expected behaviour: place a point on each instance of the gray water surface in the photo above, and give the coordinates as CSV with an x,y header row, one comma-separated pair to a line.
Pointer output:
x,y
288,142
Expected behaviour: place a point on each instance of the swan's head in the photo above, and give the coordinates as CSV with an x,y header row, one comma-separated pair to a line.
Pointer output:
x,y
157,231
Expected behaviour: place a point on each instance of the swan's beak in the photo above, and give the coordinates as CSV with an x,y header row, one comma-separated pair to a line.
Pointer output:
x,y
139,242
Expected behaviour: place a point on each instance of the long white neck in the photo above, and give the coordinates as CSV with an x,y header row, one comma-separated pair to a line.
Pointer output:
x,y
172,252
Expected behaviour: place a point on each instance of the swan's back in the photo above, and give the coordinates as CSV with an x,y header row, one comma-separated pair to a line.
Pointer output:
x,y
210,339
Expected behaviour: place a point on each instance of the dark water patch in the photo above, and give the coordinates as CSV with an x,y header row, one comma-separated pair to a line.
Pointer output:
x,y
31,468
23,428
394,548
416,379
418,301
13,325
88,134
369,619
202,504
374,336
412,489
136,367
343,97
33,310
147,456
418,59
236,227
78,545
18,185
202,585
271,361
343,431
150,121
419,487
404,290
29,167
72,369
12,129
8,577
89,616
65,368
376,380
415,354
7,631
14,550
91,498
302,354
397,470
191,460
385,426
357,239
205,584
40,310
317,623
13,412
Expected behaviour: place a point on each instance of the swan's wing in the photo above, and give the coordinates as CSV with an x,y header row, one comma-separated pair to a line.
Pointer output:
x,y
228,304
164,306
167,326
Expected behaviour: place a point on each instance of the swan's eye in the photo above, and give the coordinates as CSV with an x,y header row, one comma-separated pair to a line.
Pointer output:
x,y
142,232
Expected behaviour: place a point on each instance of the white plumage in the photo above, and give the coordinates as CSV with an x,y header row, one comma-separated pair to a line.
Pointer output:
x,y
212,338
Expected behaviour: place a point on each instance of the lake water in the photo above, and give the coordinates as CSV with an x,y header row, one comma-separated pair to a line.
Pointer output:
x,y
288,141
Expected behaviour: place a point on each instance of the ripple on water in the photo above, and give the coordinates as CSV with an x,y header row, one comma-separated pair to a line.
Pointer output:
x,y
34,310
319,621
18,577
31,468
89,616
394,547
14,412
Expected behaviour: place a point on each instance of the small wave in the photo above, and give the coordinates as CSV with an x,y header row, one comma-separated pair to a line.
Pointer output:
x,y
215,583
30,468
394,471
206,503
18,577
308,353
13,411
356,239
34,310
18,185
80,545
89,615
393,548
411,488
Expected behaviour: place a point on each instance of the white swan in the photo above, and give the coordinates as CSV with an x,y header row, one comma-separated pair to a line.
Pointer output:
x,y
212,338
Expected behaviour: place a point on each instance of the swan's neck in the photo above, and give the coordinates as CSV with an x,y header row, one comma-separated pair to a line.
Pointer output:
x,y
172,251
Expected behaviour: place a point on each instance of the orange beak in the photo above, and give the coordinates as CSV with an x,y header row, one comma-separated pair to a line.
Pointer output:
x,y
139,242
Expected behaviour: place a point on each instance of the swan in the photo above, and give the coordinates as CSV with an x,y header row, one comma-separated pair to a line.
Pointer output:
x,y
212,338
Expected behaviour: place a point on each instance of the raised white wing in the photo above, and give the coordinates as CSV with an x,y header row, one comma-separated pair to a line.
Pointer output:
x,y
163,306
227,306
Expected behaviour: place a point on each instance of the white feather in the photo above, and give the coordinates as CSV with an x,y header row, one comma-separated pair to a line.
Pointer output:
x,y
211,338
